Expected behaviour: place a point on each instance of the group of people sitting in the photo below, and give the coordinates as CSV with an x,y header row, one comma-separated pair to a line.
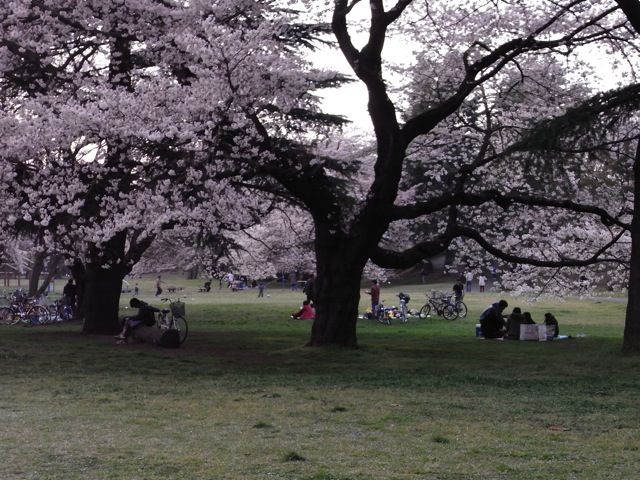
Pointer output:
x,y
494,325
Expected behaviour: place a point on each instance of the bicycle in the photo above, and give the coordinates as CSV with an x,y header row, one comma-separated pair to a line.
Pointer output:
x,y
20,310
385,314
173,318
443,306
59,311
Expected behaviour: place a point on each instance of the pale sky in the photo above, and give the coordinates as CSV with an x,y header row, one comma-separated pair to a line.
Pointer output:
x,y
351,100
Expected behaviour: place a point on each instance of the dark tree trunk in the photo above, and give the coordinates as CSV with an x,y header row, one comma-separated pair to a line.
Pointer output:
x,y
52,269
338,278
193,272
79,276
101,300
631,342
36,271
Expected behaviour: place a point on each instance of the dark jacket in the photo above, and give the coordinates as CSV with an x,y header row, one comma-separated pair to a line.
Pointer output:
x,y
491,321
310,289
146,314
513,325
70,290
549,320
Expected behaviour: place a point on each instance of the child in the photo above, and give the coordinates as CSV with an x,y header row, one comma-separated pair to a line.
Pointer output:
x,y
307,312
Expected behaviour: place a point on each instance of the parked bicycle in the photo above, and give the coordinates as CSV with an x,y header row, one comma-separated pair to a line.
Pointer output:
x,y
443,305
60,311
173,318
25,311
386,314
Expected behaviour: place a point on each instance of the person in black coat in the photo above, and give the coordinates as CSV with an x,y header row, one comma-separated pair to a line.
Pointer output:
x,y
492,321
514,321
69,292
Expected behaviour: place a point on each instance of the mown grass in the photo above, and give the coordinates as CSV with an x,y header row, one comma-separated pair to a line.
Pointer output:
x,y
244,399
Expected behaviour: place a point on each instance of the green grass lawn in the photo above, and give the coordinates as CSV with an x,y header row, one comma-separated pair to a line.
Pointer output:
x,y
244,399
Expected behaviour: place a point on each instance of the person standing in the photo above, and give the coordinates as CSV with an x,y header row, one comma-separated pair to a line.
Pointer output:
x,y
482,281
293,281
375,296
458,291
260,289
469,278
427,268
159,283
69,293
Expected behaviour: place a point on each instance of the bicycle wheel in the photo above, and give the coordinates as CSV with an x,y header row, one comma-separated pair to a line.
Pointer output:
x,y
65,313
7,316
461,309
449,312
425,311
180,324
382,316
37,315
54,315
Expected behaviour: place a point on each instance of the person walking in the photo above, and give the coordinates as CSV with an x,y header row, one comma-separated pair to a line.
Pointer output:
x,y
159,283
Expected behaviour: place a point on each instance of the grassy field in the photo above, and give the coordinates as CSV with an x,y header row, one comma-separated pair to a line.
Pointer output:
x,y
244,399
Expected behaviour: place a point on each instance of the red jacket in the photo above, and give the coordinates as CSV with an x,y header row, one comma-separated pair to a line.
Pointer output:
x,y
305,313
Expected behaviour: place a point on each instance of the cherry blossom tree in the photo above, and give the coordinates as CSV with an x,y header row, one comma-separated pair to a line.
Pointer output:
x,y
123,119
350,229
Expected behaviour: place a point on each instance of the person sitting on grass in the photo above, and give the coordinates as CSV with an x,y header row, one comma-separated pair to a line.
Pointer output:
x,y
551,321
307,312
491,320
514,321
527,320
146,316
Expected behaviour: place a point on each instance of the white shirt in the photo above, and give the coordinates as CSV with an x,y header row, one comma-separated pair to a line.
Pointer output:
x,y
469,276
481,280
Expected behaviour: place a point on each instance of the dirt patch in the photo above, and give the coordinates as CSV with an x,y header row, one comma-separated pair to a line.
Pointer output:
x,y
228,347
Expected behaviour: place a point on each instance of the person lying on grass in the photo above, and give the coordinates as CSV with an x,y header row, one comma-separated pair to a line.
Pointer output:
x,y
307,312
146,316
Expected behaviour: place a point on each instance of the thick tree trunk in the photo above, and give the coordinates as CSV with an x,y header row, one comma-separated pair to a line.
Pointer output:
x,y
79,276
193,272
101,300
52,269
36,271
631,342
338,278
